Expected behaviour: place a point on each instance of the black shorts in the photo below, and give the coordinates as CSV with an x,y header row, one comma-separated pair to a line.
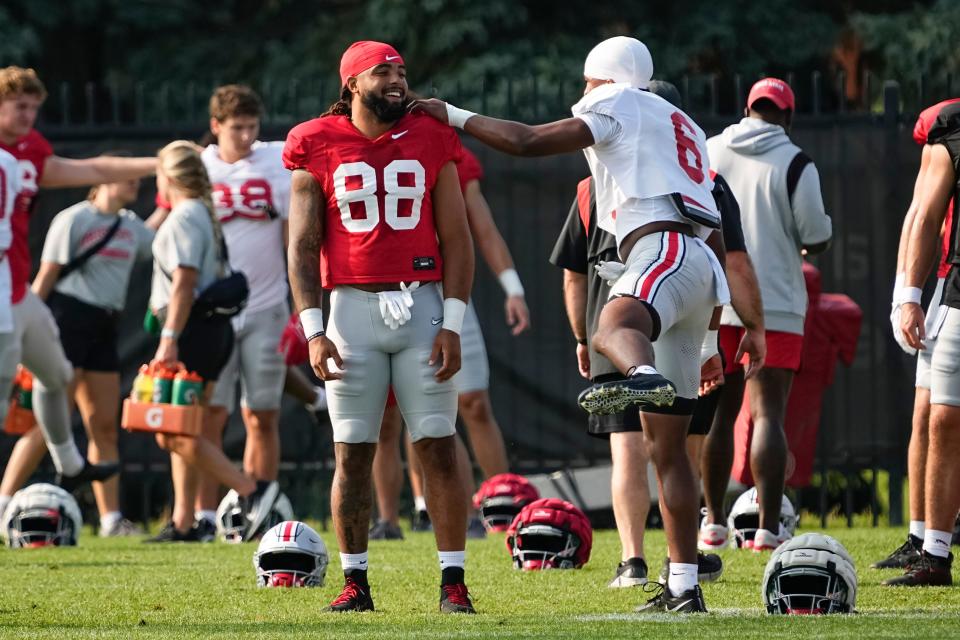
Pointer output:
x,y
205,345
601,426
88,333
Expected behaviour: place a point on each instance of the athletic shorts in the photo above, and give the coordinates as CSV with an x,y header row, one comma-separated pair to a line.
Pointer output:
x,y
6,294
254,361
934,318
674,275
205,344
36,344
783,349
945,363
474,374
602,425
88,333
376,357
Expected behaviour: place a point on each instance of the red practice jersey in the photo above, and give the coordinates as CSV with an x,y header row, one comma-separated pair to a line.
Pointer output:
x,y
379,206
468,169
924,122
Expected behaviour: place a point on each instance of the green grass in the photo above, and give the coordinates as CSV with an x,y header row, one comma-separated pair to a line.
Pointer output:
x,y
124,589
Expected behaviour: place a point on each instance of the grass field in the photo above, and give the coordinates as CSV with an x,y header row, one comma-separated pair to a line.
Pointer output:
x,y
125,589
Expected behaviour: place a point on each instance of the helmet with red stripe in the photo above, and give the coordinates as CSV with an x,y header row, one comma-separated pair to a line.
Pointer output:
x,y
231,520
41,515
291,554
501,498
550,534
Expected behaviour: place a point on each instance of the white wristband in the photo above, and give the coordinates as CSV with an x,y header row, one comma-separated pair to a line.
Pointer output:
x,y
709,347
910,294
458,117
312,321
510,281
453,311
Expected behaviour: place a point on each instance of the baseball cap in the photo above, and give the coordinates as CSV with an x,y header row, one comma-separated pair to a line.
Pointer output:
x,y
620,59
363,55
773,89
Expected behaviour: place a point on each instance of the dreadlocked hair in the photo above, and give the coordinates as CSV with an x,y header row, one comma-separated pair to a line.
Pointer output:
x,y
180,162
342,106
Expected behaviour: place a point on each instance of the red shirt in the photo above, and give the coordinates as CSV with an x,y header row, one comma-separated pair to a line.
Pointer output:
x,y
924,121
31,151
468,169
379,205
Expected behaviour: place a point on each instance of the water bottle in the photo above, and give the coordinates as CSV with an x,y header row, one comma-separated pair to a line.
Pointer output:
x,y
187,388
143,385
24,385
163,384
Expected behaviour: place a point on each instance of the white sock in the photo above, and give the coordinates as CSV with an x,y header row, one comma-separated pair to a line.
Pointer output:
x,y
452,559
917,528
645,368
66,458
4,501
320,402
683,577
937,543
206,514
351,561
110,519
419,503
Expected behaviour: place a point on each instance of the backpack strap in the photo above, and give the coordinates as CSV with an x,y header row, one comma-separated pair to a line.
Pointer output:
x,y
91,251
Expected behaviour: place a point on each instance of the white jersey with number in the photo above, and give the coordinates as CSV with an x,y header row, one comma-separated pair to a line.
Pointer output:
x,y
649,159
10,184
252,198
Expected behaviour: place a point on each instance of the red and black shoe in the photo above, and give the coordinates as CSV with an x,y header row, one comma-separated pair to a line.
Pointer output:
x,y
454,598
928,571
354,597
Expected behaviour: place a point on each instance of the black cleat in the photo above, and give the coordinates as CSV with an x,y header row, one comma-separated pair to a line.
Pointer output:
x,y
630,573
169,533
256,508
709,567
384,530
204,530
648,390
955,541
354,597
690,601
928,571
454,598
903,556
421,521
89,473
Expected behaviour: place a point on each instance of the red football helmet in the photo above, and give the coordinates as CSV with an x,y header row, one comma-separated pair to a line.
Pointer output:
x,y
501,497
550,534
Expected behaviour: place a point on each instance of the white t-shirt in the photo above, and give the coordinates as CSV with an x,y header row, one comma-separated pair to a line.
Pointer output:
x,y
645,149
252,197
185,239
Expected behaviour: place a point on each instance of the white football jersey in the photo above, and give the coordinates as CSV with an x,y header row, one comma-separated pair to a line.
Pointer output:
x,y
658,151
9,188
252,198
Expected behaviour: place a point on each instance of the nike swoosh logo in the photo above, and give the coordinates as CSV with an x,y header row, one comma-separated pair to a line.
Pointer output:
x,y
399,135
389,58
680,606
436,321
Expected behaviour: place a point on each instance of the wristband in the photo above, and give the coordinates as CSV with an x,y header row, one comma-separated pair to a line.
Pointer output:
x,y
709,347
312,321
458,117
582,341
173,334
910,295
510,281
453,311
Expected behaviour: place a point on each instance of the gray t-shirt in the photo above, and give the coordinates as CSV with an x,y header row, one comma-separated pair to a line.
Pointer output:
x,y
102,280
185,239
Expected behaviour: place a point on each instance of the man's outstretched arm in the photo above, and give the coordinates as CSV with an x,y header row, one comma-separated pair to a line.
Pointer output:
x,y
67,172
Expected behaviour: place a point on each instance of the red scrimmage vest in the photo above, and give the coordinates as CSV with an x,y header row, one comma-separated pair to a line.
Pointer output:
x,y
379,207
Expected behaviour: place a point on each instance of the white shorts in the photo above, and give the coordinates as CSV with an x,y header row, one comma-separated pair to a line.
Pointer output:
x,y
474,374
255,361
376,357
674,275
6,292
933,321
945,363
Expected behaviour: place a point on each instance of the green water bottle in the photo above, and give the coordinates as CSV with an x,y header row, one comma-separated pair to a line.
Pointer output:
x,y
187,388
163,384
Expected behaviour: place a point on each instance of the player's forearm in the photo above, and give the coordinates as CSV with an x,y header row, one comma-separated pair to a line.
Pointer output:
x,y
484,230
156,218
905,237
458,265
306,239
921,250
575,302
520,139
66,172
744,290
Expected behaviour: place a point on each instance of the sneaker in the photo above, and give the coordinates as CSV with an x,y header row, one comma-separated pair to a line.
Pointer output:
x,y
476,530
256,506
122,528
709,567
765,540
630,573
928,571
645,389
384,530
454,598
421,521
713,536
169,533
354,597
89,473
690,601
903,556
205,530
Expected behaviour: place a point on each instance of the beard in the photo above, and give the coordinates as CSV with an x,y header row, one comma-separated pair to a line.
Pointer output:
x,y
383,109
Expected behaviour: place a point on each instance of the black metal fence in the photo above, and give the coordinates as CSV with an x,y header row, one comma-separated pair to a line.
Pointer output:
x,y
867,163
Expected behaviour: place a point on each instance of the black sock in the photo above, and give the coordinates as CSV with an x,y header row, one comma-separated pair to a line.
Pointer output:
x,y
636,562
357,575
451,575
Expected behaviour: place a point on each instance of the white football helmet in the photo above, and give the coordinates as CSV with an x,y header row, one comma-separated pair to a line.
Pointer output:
x,y
290,554
744,519
231,522
810,574
41,515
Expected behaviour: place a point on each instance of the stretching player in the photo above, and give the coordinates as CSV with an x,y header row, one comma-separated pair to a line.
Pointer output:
x,y
375,204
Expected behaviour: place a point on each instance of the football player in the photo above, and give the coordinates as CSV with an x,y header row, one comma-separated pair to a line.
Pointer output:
x,y
653,192
377,215
35,342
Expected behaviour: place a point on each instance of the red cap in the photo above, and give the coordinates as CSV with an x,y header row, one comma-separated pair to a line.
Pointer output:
x,y
363,55
774,89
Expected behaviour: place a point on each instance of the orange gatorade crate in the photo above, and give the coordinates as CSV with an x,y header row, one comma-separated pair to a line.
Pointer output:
x,y
19,420
153,417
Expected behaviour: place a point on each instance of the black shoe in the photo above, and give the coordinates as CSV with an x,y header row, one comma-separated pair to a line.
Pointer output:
x,y
354,597
630,573
645,389
204,530
256,508
690,601
169,533
955,541
709,567
454,598
928,571
421,521
89,473
903,556
384,530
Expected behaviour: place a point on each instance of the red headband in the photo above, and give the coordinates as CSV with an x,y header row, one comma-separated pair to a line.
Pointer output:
x,y
363,55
